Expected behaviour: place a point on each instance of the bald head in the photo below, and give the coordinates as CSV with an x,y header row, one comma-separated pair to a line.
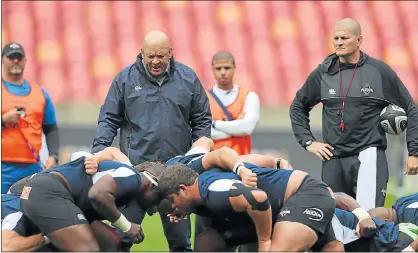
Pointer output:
x,y
347,39
156,52
349,24
158,38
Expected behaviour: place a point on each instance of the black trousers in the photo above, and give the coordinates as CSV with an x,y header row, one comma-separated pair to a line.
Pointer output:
x,y
363,176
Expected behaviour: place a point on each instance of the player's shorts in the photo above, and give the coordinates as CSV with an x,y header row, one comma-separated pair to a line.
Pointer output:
x,y
46,200
311,205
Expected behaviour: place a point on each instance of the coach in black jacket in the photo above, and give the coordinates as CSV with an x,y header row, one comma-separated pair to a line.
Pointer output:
x,y
353,88
160,107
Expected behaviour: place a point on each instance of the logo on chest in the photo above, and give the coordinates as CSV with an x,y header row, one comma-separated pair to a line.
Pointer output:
x,y
367,89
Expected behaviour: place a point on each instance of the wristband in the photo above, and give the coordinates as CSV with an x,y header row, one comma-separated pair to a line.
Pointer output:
x,y
407,249
236,166
46,239
361,214
238,170
122,223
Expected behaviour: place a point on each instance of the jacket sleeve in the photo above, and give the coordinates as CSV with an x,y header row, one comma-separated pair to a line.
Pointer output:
x,y
200,115
110,117
395,92
306,98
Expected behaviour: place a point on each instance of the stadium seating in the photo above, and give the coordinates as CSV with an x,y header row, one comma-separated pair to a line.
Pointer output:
x,y
75,48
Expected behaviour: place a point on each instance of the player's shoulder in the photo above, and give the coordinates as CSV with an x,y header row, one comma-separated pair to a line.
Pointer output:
x,y
123,76
113,165
182,159
381,66
185,70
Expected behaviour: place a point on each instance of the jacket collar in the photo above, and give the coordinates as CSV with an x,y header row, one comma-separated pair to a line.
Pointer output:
x,y
140,65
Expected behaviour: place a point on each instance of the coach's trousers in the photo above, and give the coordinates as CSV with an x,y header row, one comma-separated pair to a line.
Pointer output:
x,y
363,176
177,234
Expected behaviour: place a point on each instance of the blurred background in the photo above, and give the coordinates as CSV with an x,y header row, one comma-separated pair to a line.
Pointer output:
x,y
75,48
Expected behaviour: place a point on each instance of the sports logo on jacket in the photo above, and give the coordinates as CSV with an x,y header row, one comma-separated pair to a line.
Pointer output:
x,y
314,214
367,89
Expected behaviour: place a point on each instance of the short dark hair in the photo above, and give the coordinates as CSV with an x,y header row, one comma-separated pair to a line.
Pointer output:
x,y
223,55
173,176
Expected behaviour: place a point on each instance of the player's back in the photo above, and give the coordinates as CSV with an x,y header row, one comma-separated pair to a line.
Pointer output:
x,y
272,181
407,209
81,182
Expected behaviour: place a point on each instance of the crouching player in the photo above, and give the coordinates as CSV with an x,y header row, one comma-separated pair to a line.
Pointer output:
x,y
289,211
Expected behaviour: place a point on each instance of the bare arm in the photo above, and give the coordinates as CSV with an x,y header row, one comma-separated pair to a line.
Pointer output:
x,y
102,196
121,183
111,154
12,241
223,157
205,143
345,201
260,160
259,210
366,227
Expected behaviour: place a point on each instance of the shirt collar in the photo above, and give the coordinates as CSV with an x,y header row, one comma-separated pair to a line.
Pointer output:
x,y
226,92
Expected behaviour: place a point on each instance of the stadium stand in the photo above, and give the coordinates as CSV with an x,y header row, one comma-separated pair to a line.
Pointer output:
x,y
75,51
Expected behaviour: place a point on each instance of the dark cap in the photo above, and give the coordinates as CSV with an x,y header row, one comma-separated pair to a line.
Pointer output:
x,y
12,48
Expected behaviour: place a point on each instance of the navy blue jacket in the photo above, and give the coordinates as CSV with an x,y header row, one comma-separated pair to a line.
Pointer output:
x,y
156,122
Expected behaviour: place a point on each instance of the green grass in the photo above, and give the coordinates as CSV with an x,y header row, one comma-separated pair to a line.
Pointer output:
x,y
154,235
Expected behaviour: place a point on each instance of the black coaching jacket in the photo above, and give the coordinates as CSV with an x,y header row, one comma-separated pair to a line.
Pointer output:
x,y
375,85
156,122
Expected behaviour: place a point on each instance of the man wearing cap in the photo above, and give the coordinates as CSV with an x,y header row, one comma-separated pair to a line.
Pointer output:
x,y
27,111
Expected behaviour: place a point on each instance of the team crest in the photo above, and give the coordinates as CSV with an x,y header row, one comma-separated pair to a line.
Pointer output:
x,y
367,89
25,192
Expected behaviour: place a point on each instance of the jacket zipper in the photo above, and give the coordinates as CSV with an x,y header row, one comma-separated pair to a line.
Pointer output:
x,y
161,139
